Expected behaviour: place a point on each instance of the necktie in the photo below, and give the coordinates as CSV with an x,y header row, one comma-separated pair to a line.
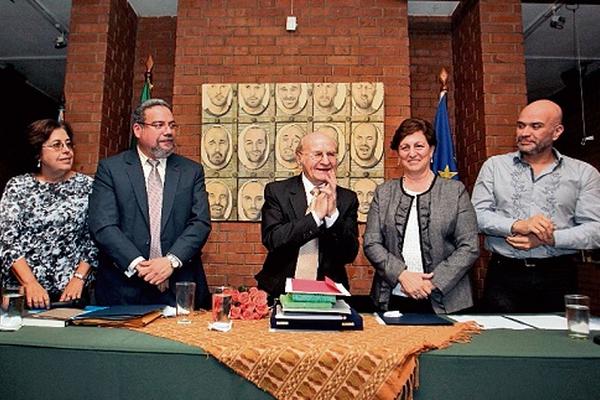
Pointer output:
x,y
308,255
155,195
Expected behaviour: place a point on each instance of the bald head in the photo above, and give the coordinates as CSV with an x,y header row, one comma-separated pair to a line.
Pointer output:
x,y
547,108
538,127
317,154
315,137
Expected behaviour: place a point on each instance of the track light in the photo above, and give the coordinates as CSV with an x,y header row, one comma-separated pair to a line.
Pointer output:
x,y
60,42
557,21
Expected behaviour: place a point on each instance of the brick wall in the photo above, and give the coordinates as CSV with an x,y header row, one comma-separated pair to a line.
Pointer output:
x,y
155,37
241,41
430,50
490,87
98,80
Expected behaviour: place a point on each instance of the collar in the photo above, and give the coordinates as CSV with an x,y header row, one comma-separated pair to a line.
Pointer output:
x,y
308,185
518,157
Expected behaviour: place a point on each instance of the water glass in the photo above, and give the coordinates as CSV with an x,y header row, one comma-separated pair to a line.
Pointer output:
x,y
12,308
184,297
221,309
577,307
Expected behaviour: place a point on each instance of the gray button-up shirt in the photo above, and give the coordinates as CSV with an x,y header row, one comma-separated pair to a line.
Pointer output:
x,y
568,192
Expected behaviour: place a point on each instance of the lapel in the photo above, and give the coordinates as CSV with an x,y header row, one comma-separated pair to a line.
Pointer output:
x,y
172,176
297,196
136,177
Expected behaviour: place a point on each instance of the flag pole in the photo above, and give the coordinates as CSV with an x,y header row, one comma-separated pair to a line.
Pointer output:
x,y
145,95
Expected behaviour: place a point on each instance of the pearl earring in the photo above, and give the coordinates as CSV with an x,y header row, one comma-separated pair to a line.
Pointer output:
x,y
39,164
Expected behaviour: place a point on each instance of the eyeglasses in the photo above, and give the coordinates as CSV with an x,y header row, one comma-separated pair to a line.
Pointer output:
x,y
160,125
318,155
58,146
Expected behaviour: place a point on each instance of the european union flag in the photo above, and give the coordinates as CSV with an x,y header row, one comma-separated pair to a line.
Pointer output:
x,y
444,163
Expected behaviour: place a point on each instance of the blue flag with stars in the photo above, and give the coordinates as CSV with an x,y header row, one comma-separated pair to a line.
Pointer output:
x,y
444,163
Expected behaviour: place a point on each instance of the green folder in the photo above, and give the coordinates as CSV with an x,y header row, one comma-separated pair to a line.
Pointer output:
x,y
313,298
287,302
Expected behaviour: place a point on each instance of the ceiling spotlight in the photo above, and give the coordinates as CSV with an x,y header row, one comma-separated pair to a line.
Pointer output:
x,y
557,21
60,42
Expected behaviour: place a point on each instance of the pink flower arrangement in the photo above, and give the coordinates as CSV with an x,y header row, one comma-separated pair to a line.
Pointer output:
x,y
248,304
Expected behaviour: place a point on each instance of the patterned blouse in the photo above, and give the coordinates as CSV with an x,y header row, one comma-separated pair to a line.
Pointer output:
x,y
47,224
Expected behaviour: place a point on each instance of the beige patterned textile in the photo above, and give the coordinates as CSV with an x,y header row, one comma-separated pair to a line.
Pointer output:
x,y
377,363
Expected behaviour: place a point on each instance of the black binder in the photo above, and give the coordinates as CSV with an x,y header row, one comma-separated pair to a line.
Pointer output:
x,y
415,319
352,322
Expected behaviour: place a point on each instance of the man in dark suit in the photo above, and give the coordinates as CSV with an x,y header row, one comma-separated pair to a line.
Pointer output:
x,y
149,216
309,224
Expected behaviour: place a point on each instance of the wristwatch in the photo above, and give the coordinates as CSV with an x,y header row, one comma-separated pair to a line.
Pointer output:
x,y
175,263
79,275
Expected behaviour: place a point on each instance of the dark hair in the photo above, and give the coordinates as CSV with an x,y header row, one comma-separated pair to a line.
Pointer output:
x,y
39,131
410,126
139,117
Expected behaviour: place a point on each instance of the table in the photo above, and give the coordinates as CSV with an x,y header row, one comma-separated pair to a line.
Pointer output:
x,y
105,363
505,364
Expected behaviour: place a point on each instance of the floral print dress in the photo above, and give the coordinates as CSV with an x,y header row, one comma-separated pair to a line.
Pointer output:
x,y
47,224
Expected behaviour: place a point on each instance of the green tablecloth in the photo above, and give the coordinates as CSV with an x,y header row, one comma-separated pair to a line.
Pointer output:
x,y
109,363
102,363
505,364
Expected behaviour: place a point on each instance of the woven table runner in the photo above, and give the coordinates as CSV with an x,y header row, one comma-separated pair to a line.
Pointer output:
x,y
377,363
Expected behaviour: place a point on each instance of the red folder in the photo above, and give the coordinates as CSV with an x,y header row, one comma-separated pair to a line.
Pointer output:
x,y
315,287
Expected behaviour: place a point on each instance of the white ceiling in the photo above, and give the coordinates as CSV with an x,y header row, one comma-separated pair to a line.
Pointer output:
x,y
27,39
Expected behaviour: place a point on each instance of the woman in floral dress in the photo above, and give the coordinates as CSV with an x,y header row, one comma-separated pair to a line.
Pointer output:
x,y
45,245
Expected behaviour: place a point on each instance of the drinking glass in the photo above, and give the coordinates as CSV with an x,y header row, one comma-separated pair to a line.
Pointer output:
x,y
12,308
184,296
577,307
221,309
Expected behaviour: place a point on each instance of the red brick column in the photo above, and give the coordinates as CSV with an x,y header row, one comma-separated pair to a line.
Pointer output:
x,y
243,41
98,81
489,72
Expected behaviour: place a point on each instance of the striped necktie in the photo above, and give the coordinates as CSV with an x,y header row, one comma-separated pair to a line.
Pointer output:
x,y
155,196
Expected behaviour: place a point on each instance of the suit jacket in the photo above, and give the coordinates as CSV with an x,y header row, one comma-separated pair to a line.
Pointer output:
x,y
120,225
286,227
448,235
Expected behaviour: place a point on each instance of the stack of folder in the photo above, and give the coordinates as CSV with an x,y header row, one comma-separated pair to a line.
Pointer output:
x,y
315,305
129,316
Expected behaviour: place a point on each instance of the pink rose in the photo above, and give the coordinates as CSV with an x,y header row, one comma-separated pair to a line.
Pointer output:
x,y
244,298
262,310
247,314
236,312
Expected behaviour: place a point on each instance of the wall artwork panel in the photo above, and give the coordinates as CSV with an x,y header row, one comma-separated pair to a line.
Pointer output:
x,y
250,132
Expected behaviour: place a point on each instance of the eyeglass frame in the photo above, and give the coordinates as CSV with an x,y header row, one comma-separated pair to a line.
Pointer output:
x,y
161,125
318,156
58,146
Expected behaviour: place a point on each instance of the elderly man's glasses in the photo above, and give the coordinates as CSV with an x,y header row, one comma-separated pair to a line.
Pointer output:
x,y
160,125
58,146
319,155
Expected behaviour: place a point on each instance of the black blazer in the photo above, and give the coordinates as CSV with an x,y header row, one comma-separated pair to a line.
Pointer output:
x,y
286,227
119,223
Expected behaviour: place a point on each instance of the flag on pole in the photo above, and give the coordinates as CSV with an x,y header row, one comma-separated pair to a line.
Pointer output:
x,y
145,95
444,163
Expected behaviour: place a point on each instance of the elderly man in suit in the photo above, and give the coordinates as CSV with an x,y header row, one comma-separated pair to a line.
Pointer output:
x,y
309,224
149,216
